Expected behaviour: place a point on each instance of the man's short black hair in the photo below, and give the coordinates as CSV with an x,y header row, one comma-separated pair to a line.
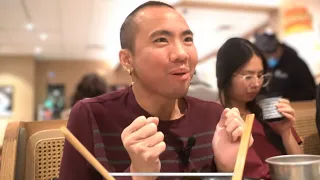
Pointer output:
x,y
129,29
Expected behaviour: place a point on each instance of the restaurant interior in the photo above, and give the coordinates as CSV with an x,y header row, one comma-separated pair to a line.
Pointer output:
x,y
47,47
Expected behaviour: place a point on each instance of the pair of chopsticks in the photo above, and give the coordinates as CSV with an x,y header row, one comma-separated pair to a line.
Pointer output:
x,y
238,171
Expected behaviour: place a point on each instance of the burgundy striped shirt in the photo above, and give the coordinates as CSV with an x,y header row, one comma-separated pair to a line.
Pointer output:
x,y
98,123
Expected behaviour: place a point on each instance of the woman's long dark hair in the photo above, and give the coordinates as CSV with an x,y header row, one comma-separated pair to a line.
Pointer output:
x,y
91,85
232,56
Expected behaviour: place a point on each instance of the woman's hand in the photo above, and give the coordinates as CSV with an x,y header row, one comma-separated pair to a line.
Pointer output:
x,y
284,126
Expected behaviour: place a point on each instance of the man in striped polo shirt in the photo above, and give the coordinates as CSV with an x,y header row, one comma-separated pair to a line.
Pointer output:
x,y
152,126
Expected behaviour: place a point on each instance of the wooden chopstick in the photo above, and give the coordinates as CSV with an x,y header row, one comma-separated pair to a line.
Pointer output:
x,y
85,153
243,148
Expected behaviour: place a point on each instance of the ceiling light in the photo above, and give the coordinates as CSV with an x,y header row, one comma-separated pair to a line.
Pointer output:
x,y
29,26
37,50
43,36
223,27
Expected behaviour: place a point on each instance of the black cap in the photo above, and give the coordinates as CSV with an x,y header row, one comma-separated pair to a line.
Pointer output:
x,y
267,43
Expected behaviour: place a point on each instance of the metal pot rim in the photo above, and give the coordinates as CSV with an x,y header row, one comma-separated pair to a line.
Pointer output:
x,y
270,160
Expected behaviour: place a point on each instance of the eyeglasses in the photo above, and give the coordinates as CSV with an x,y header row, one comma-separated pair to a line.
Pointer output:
x,y
263,80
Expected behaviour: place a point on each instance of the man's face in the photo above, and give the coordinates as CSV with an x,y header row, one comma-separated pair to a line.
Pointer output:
x,y
276,54
164,56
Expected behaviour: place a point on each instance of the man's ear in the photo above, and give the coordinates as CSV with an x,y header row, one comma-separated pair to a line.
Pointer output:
x,y
125,57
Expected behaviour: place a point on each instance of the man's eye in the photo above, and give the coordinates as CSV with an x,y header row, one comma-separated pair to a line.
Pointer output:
x,y
189,39
160,40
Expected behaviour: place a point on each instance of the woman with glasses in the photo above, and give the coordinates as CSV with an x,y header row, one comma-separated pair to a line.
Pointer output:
x,y
241,74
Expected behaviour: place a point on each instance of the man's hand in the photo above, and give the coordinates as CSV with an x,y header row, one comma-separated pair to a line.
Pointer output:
x,y
144,144
226,139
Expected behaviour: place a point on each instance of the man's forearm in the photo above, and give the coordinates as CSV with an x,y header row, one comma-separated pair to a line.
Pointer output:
x,y
223,168
132,170
225,165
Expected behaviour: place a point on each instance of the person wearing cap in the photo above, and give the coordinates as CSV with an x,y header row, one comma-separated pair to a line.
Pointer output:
x,y
291,77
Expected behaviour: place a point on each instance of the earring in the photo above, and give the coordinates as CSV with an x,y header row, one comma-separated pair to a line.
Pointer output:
x,y
130,73
128,70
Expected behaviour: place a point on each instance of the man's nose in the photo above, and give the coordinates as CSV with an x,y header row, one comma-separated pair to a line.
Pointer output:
x,y
179,53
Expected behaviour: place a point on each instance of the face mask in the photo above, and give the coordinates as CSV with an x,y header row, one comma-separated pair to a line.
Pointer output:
x,y
272,62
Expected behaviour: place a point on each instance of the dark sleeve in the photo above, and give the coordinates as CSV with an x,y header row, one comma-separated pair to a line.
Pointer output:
x,y
305,87
73,165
